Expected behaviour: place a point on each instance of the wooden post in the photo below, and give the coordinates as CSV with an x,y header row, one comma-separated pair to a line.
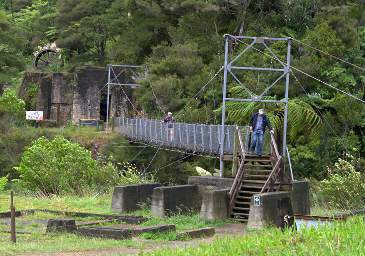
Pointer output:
x,y
12,218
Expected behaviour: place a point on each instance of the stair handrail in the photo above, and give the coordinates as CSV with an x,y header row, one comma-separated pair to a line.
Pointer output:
x,y
277,159
273,175
240,172
274,147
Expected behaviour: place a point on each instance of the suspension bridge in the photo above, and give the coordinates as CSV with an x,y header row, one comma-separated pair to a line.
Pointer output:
x,y
252,174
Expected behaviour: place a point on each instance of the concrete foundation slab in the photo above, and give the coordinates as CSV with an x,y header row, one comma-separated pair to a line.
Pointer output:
x,y
61,225
196,233
215,204
104,232
129,198
175,199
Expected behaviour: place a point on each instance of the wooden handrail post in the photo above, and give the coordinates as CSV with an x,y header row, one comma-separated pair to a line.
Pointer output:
x,y
12,218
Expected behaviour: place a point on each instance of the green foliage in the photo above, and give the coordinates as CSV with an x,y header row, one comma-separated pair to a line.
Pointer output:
x,y
338,238
11,43
59,166
3,183
11,104
345,187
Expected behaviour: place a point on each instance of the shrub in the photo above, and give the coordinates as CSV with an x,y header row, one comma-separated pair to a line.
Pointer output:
x,y
59,166
345,187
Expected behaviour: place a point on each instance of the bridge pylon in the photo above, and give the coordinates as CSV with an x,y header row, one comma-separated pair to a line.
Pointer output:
x,y
233,66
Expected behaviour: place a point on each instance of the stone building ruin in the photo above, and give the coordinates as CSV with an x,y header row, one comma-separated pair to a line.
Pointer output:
x,y
70,97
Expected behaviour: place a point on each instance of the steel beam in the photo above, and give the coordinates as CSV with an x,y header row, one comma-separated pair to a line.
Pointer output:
x,y
225,70
288,59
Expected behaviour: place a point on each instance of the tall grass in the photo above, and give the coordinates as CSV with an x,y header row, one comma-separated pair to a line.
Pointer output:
x,y
341,238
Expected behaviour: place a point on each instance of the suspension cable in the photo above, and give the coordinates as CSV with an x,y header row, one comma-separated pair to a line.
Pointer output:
x,y
328,54
125,94
319,112
200,91
304,73
156,99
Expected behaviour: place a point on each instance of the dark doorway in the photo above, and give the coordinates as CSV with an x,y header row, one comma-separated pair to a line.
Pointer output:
x,y
103,106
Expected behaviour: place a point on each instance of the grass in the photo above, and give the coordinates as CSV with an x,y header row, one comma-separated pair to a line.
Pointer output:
x,y
38,241
93,203
342,238
48,243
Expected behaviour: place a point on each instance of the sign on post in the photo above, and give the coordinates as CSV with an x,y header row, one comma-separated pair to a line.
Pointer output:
x,y
34,115
257,200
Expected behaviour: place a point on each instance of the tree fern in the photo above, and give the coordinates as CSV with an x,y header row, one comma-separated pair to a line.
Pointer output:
x,y
303,120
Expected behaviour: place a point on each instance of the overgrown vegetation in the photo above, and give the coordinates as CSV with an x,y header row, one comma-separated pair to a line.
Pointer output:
x,y
339,238
59,166
181,43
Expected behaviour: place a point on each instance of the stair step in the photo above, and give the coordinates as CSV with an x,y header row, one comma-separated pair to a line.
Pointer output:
x,y
250,192
255,181
258,160
247,166
259,171
257,176
250,186
240,214
244,197
256,156
244,203
241,208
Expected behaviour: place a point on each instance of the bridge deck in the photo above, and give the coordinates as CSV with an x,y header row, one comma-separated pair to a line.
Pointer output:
x,y
197,138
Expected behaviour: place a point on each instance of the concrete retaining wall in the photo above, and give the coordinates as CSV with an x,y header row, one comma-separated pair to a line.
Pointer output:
x,y
273,207
300,197
219,183
215,205
175,199
129,198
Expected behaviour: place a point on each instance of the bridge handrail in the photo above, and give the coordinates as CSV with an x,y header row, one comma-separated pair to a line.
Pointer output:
x,y
198,138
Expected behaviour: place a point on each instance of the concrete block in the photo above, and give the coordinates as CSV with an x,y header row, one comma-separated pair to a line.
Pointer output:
x,y
215,205
129,198
271,211
218,182
300,197
103,232
61,225
196,233
154,230
175,199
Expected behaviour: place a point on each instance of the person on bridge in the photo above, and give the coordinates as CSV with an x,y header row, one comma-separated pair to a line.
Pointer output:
x,y
258,124
169,120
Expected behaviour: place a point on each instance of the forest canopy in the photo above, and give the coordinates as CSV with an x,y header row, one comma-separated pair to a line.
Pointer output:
x,y
182,44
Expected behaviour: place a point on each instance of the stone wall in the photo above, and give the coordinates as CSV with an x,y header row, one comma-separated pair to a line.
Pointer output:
x,y
87,94
65,97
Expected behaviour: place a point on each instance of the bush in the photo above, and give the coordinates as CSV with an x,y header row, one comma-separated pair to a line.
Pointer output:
x,y
345,187
59,166
12,110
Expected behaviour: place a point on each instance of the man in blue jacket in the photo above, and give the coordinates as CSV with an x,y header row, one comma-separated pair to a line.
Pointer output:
x,y
258,124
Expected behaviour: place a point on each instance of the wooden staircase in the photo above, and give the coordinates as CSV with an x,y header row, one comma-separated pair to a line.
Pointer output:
x,y
255,175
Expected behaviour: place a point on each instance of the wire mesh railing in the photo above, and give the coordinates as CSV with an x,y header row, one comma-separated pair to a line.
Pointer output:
x,y
198,138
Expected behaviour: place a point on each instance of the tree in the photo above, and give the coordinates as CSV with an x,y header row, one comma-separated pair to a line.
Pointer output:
x,y
84,27
11,43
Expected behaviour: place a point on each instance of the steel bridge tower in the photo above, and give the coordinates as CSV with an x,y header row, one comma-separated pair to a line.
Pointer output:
x,y
231,67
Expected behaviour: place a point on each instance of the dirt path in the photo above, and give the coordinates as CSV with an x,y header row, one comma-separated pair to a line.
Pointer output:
x,y
228,229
